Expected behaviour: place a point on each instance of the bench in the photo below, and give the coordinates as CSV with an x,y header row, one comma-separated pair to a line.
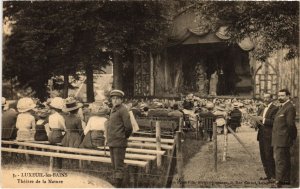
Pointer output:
x,y
168,125
80,150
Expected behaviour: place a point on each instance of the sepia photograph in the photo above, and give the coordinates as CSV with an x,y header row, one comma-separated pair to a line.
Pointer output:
x,y
150,94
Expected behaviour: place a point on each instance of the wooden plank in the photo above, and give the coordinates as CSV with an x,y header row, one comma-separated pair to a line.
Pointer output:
x,y
149,145
179,158
215,146
146,151
239,140
147,139
81,151
158,142
135,150
74,156
171,169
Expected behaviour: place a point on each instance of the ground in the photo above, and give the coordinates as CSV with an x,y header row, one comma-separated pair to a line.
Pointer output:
x,y
240,170
25,176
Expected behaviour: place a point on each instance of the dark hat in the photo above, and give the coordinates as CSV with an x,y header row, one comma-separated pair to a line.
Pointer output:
x,y
71,105
117,93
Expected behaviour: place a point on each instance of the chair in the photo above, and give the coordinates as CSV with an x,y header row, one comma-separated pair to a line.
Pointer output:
x,y
206,123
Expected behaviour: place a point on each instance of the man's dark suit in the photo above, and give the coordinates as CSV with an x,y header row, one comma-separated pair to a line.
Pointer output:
x,y
283,134
265,138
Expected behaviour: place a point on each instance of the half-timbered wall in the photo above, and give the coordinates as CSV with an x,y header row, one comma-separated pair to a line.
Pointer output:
x,y
276,73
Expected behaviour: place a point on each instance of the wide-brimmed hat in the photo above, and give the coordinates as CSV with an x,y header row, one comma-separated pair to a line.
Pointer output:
x,y
116,93
221,107
222,33
209,105
235,104
3,101
143,105
71,105
57,103
25,104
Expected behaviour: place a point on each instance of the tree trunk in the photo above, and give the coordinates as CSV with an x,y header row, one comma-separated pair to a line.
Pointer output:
x,y
89,82
66,85
151,75
117,72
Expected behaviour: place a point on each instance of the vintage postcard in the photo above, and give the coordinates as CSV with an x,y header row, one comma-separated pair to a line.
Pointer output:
x,y
150,94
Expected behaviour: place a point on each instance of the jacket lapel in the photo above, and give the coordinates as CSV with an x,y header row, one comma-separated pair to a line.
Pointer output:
x,y
282,108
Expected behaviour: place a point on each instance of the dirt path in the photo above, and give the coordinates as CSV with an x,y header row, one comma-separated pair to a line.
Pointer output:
x,y
240,170
34,176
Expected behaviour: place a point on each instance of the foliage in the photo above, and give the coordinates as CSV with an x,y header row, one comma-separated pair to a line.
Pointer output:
x,y
272,25
63,37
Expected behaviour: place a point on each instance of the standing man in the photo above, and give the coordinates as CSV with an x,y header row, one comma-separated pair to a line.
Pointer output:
x,y
283,135
118,131
267,115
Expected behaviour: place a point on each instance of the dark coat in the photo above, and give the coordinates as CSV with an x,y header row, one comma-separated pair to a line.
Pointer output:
x,y
119,127
284,128
74,132
266,130
9,129
189,105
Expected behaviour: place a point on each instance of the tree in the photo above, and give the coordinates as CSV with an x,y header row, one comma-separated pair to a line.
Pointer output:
x,y
273,25
62,38
45,41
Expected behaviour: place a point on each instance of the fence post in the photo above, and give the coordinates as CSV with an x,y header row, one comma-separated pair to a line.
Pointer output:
x,y
215,146
225,143
179,159
180,124
158,142
197,127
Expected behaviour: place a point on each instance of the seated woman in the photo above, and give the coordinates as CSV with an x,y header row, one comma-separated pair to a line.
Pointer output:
x,y
41,134
25,120
95,130
74,131
56,121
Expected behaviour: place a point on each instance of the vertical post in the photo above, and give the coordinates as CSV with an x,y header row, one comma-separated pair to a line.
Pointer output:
x,y
158,142
180,124
197,127
59,161
26,155
151,74
215,146
225,143
179,158
80,164
51,164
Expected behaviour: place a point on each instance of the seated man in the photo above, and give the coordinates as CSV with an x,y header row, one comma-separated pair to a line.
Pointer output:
x,y
175,112
235,117
207,119
188,103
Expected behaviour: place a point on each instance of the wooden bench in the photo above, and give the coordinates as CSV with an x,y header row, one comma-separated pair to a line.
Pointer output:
x,y
168,125
80,150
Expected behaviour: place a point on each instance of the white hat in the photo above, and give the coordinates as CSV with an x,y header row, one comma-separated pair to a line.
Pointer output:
x,y
209,105
57,103
235,104
3,101
117,93
25,104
